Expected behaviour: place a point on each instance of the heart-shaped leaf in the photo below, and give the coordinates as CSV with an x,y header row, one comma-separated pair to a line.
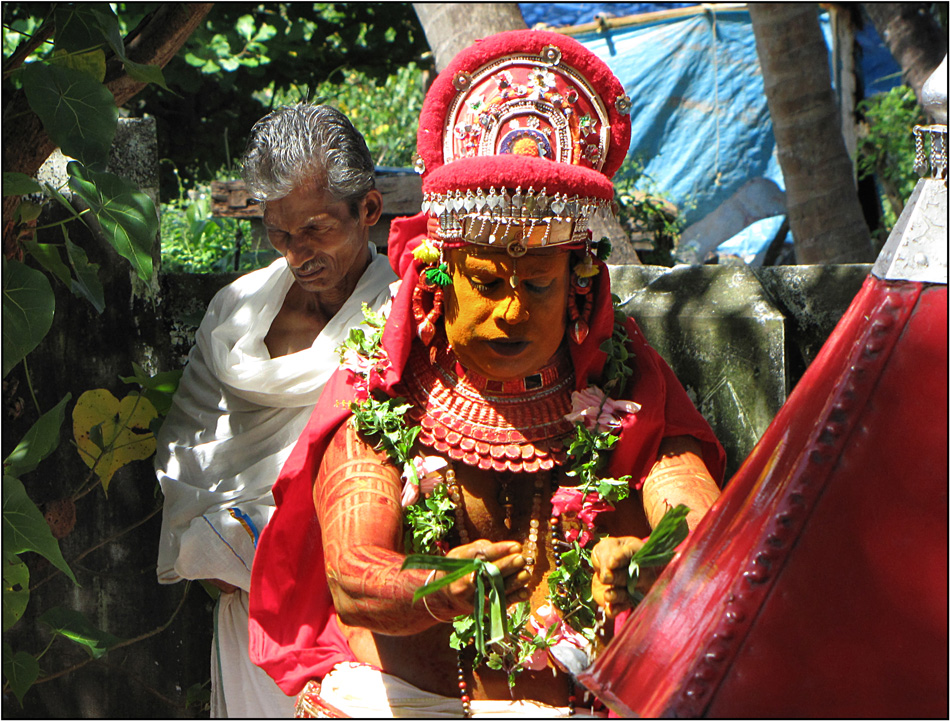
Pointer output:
x,y
110,433
127,215
77,111
28,305
25,529
20,670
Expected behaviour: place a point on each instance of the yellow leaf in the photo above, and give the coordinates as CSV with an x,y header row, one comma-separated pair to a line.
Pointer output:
x,y
110,433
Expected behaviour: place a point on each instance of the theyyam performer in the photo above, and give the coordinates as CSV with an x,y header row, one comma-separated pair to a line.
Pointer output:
x,y
505,422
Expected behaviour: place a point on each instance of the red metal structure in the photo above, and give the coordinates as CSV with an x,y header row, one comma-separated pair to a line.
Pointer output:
x,y
817,585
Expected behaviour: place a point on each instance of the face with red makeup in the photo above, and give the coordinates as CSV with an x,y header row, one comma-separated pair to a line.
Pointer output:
x,y
501,329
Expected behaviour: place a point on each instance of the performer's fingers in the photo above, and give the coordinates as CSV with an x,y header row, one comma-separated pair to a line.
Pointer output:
x,y
610,559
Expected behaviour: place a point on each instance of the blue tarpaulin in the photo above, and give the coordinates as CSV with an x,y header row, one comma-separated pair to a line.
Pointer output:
x,y
701,126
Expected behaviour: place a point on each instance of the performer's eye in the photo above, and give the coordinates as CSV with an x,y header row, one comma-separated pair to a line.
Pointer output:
x,y
539,287
484,286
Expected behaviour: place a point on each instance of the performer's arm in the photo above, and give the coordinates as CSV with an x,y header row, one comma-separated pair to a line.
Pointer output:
x,y
356,496
679,476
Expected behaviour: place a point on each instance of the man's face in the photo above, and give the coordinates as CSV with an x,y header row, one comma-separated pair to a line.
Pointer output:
x,y
500,332
323,243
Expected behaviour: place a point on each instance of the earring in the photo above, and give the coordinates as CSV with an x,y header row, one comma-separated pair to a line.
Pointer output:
x,y
580,318
425,320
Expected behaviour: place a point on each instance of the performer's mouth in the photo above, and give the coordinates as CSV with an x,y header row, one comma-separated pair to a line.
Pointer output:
x,y
507,347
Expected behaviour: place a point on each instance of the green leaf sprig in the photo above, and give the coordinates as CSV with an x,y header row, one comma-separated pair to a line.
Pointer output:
x,y
385,419
366,338
489,589
659,547
429,521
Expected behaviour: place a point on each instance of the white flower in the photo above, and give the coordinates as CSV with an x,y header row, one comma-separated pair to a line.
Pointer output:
x,y
596,412
427,471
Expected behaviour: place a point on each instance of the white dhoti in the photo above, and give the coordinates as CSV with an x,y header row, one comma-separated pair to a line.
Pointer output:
x,y
357,690
240,690
234,420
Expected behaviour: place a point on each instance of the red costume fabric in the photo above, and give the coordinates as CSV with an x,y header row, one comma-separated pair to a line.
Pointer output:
x,y
294,635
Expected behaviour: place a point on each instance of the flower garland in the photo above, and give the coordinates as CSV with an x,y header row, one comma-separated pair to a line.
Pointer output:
x,y
566,627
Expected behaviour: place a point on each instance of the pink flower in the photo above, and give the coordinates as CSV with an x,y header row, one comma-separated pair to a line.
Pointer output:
x,y
593,506
596,412
546,617
568,501
427,471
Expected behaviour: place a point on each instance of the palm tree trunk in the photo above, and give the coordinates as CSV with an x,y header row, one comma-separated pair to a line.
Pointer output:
x,y
823,209
451,27
913,37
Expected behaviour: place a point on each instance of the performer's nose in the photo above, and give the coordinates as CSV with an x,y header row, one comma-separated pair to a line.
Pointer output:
x,y
516,310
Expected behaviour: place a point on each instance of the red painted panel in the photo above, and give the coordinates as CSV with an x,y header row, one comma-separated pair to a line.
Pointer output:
x,y
817,585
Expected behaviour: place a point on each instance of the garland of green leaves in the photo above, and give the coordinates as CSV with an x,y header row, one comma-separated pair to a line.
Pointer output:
x,y
503,639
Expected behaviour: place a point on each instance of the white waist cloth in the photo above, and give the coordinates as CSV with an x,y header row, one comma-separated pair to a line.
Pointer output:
x,y
240,690
363,691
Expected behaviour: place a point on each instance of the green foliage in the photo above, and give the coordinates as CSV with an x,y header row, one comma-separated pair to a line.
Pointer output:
x,y
245,59
429,521
659,547
577,606
126,215
62,83
386,112
25,529
20,669
28,306
364,344
385,420
74,626
645,214
886,146
77,110
39,442
619,366
193,241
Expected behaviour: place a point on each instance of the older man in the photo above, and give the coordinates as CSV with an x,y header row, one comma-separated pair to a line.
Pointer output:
x,y
506,415
262,355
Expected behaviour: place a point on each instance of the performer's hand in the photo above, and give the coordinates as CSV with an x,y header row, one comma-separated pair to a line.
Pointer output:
x,y
610,559
224,586
505,555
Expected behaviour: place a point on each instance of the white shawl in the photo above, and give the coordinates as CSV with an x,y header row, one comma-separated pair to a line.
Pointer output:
x,y
235,419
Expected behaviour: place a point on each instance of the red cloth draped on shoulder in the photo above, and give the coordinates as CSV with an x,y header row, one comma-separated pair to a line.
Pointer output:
x,y
293,631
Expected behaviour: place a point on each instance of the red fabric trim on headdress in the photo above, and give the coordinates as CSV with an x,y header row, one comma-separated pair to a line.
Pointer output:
x,y
513,171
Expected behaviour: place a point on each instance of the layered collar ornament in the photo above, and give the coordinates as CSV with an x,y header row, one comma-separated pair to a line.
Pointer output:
x,y
516,426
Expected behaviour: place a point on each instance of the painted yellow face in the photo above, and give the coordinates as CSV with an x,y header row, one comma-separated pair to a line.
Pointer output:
x,y
504,332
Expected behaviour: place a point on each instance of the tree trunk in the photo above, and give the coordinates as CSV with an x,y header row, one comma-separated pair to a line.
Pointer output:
x,y
823,208
913,37
26,144
451,27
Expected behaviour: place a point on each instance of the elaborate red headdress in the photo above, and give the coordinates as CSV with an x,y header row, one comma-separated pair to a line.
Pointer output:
x,y
520,136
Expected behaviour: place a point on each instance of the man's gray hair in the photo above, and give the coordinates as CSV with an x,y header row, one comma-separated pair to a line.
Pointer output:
x,y
298,143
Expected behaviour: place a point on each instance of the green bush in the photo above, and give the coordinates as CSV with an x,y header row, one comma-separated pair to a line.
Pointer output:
x,y
886,146
193,241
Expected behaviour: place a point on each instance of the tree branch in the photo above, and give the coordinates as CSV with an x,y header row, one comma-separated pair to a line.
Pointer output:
x,y
26,144
122,644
